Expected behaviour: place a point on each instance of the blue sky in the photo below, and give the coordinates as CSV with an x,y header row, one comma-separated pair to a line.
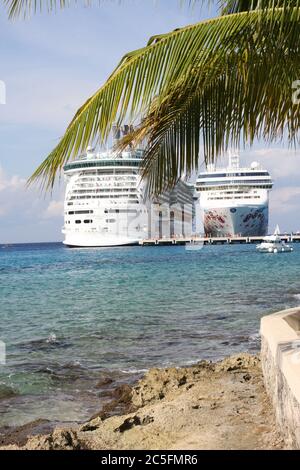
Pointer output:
x,y
51,64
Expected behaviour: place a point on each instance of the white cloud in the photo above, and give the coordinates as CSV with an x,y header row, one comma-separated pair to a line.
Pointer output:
x,y
281,162
26,214
286,200
10,183
54,209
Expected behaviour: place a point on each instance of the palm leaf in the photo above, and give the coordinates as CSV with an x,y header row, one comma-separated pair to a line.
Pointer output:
x,y
228,7
27,8
170,59
217,116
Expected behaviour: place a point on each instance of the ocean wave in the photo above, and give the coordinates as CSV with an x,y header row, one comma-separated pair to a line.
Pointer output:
x,y
254,341
43,344
255,337
52,339
133,370
67,374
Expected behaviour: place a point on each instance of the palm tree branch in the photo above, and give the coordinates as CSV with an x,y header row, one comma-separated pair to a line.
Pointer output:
x,y
155,69
225,111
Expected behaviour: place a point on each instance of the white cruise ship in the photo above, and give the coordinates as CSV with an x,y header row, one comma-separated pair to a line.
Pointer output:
x,y
234,200
106,203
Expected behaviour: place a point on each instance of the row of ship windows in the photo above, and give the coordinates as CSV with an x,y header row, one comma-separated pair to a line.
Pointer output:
x,y
108,178
80,212
108,174
109,184
216,183
231,192
236,197
84,204
89,221
213,188
130,196
230,175
74,166
120,211
106,190
111,211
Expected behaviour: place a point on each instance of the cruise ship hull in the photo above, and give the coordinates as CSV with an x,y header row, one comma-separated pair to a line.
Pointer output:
x,y
97,241
245,221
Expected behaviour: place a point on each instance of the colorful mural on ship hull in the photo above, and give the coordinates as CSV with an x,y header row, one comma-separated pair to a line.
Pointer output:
x,y
230,222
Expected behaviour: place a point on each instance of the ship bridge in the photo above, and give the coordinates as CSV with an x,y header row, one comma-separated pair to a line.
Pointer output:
x,y
106,160
234,177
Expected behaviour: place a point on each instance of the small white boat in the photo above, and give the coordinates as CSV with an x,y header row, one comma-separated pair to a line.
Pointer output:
x,y
274,244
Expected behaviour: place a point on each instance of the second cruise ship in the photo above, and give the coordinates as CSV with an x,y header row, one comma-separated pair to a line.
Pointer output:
x,y
235,200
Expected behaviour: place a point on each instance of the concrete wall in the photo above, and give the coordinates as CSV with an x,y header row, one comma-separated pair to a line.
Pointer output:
x,y
280,356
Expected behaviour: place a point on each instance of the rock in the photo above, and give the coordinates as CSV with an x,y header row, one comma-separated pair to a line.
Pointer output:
x,y
121,402
91,425
104,382
238,362
19,435
182,381
247,377
147,420
123,394
128,424
105,394
65,440
236,422
59,439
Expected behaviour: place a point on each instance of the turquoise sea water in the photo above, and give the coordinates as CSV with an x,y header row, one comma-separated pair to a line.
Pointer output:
x,y
70,318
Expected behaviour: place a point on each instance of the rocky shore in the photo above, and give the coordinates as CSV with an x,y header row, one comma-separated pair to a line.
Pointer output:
x,y
219,405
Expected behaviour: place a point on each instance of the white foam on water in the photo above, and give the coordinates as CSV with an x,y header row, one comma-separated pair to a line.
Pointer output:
x,y
255,337
296,296
51,338
134,371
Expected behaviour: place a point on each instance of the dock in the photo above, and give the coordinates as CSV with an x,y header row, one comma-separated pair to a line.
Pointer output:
x,y
213,240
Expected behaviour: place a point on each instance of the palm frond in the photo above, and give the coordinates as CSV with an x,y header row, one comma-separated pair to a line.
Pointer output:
x,y
27,8
156,69
229,7
246,100
220,116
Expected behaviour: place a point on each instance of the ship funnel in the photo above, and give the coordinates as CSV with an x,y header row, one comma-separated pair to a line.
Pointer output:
x,y
116,131
125,130
234,159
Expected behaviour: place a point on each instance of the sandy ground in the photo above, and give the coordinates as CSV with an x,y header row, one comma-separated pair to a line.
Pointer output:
x,y
206,406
